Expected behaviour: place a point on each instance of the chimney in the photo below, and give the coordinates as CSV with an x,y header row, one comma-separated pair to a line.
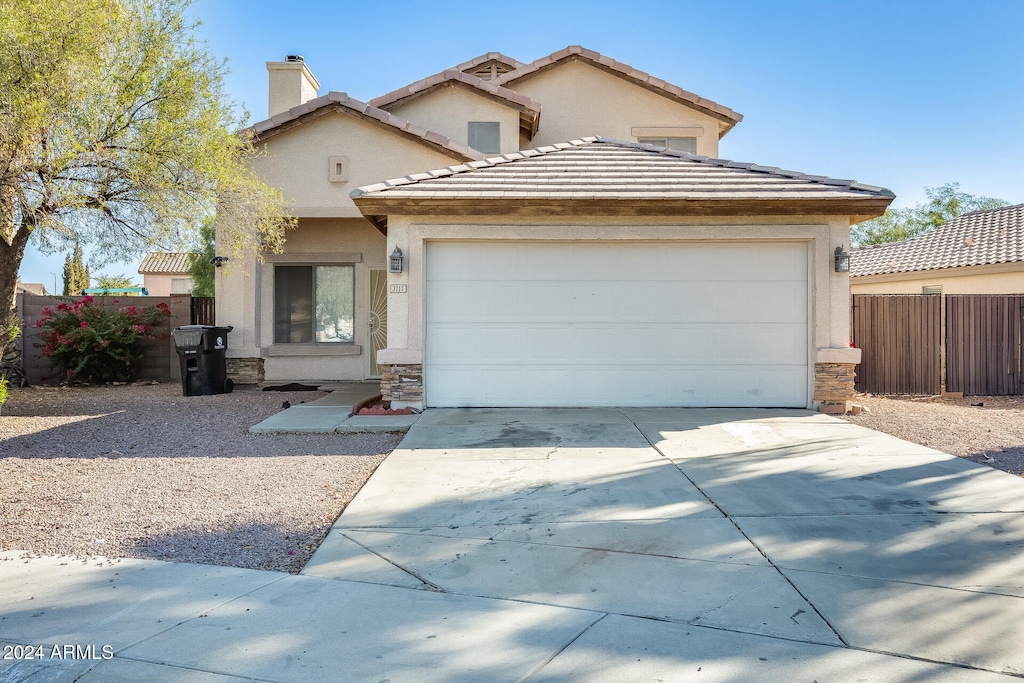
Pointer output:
x,y
291,84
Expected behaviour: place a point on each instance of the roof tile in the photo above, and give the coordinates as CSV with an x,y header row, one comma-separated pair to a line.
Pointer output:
x,y
613,169
978,238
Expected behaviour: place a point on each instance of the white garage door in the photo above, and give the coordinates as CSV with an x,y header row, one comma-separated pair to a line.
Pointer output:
x,y
588,324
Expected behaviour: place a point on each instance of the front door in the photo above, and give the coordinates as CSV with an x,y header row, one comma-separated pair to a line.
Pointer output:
x,y
378,322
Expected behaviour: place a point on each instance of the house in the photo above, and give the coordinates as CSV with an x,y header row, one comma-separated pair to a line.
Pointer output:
x,y
36,288
981,252
563,233
166,273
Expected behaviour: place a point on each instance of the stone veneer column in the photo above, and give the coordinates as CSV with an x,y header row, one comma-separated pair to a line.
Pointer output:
x,y
245,370
402,382
833,386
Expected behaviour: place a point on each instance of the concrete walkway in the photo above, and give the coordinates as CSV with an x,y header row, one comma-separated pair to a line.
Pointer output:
x,y
332,414
585,545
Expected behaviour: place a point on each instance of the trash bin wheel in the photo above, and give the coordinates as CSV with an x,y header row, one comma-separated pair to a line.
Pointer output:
x,y
229,385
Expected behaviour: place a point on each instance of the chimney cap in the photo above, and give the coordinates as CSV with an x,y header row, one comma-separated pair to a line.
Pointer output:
x,y
294,58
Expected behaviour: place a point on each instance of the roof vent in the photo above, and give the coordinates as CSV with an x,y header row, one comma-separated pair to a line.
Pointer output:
x,y
294,58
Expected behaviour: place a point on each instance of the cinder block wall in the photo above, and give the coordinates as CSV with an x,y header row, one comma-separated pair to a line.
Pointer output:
x,y
159,359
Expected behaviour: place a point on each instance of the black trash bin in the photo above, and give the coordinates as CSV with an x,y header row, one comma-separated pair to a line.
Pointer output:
x,y
201,350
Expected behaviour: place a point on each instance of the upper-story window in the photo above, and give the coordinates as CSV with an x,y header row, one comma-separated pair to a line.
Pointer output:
x,y
485,136
679,144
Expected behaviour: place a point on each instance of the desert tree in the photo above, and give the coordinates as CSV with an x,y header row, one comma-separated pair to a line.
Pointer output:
x,y
116,132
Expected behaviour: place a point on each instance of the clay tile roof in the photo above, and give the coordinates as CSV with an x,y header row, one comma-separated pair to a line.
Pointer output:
x,y
490,57
727,116
609,169
339,101
164,262
978,238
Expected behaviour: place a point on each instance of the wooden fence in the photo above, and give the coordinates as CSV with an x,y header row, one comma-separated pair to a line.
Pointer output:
x,y
983,344
900,338
204,310
927,343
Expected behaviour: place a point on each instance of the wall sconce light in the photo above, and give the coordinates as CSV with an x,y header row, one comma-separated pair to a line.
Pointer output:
x,y
842,261
396,262
218,261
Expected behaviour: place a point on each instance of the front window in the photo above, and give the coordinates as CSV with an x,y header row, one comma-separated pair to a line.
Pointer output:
x,y
679,144
313,304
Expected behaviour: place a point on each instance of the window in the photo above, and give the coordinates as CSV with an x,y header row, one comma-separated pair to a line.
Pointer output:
x,y
931,289
680,144
485,136
313,304
181,285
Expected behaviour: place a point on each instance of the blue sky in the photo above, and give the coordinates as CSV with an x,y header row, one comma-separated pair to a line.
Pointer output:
x,y
906,95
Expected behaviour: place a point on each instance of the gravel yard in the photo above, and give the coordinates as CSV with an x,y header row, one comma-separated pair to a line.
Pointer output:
x,y
991,433
141,471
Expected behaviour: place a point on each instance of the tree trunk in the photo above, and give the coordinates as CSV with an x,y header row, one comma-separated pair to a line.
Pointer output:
x,y
13,239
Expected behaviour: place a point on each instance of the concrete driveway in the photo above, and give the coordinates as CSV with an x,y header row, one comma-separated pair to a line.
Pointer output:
x,y
592,545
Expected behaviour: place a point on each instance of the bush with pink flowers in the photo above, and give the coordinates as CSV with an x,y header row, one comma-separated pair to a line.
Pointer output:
x,y
93,342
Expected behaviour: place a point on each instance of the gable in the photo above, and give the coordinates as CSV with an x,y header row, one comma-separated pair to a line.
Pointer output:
x,y
300,160
448,111
581,99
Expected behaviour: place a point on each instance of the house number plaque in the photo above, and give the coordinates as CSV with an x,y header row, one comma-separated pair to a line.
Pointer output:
x,y
398,289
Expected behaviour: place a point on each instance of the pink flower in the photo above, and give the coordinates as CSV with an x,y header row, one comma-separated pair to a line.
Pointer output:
x,y
117,301
139,329
83,324
87,299
71,373
63,307
47,311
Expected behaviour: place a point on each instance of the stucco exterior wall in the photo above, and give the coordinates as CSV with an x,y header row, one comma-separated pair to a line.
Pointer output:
x,y
299,162
829,321
159,284
579,100
449,110
1003,278
246,301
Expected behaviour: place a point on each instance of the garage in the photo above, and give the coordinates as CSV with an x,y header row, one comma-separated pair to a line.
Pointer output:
x,y
602,272
616,323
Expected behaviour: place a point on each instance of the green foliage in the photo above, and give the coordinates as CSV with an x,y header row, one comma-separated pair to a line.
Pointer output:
x,y
199,262
76,273
116,130
13,330
3,390
99,343
944,204
114,282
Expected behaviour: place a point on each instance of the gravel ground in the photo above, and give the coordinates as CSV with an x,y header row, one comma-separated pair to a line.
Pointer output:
x,y
141,471
991,433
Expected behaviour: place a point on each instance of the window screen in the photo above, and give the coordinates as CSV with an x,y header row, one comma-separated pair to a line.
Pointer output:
x,y
680,144
485,136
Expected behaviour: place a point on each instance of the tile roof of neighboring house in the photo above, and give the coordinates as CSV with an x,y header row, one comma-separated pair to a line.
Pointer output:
x,y
339,101
614,171
727,116
529,111
974,239
36,288
164,262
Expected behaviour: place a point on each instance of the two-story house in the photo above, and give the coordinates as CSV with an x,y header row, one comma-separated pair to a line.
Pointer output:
x,y
565,234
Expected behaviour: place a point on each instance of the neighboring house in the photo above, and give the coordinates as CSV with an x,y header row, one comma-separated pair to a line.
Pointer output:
x,y
36,288
981,252
634,268
165,273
